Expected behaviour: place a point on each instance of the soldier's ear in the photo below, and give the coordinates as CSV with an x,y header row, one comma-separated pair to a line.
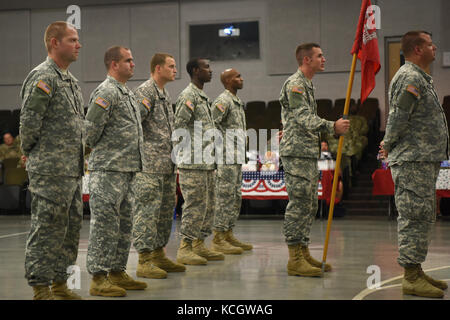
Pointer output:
x,y
54,42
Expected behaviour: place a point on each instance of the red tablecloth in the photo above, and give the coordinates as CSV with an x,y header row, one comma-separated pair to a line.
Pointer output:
x,y
384,186
382,183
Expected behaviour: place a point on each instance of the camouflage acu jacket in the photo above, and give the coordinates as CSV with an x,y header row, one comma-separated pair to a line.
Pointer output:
x,y
301,124
229,117
113,128
157,125
51,121
416,129
193,115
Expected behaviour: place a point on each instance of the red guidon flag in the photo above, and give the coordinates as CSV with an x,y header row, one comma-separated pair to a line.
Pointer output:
x,y
366,48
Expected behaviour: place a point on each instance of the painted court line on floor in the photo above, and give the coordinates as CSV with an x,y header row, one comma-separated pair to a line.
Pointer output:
x,y
13,235
366,292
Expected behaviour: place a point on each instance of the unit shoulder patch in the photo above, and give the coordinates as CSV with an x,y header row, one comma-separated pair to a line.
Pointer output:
x,y
102,102
44,87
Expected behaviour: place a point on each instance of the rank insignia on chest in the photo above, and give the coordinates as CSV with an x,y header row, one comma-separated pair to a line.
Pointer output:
x,y
102,102
44,87
220,107
146,103
297,90
190,105
413,90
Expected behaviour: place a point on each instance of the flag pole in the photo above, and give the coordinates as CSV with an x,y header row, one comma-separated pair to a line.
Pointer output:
x,y
338,161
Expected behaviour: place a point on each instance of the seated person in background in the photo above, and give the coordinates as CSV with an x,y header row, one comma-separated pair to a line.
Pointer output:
x,y
355,140
325,153
11,148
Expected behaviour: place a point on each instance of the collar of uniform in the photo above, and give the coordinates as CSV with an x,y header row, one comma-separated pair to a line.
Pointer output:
x,y
302,76
161,93
235,98
427,77
199,91
123,88
63,75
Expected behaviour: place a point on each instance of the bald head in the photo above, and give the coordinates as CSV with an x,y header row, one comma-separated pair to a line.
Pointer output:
x,y
232,80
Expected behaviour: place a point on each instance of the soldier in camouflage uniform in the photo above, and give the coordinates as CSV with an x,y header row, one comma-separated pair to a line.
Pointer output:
x,y
155,186
299,151
196,166
416,141
10,148
229,117
114,132
51,130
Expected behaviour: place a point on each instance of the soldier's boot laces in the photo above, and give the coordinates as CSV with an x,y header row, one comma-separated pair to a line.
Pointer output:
x,y
101,286
42,293
297,264
230,238
185,255
219,244
123,280
160,260
199,248
435,283
147,269
312,261
414,283
60,291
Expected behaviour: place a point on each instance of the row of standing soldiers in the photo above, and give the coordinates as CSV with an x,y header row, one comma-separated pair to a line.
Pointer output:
x,y
132,176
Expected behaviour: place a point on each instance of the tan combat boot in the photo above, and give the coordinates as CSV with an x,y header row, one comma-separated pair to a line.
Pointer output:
x,y
123,280
61,292
101,286
146,269
199,248
219,244
160,260
42,293
415,284
298,266
435,283
312,261
230,238
185,255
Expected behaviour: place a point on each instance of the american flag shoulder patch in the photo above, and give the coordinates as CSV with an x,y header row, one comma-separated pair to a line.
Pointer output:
x,y
297,90
220,107
190,105
44,87
102,102
413,90
146,103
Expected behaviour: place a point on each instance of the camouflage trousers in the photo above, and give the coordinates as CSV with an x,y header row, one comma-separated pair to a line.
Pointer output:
x,y
228,196
56,217
111,202
301,177
197,187
415,199
155,202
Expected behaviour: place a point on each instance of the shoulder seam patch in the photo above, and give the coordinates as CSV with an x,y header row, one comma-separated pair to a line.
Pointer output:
x,y
220,107
190,105
146,103
412,89
297,90
44,87
102,102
